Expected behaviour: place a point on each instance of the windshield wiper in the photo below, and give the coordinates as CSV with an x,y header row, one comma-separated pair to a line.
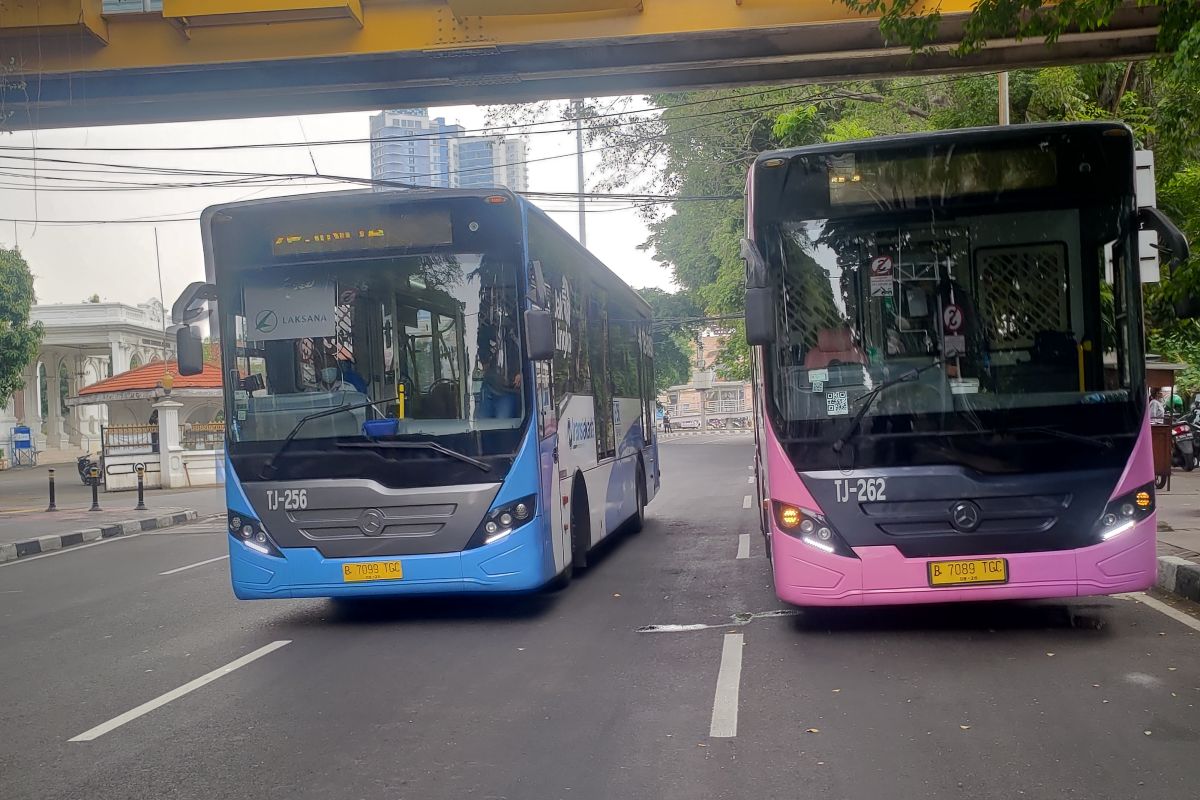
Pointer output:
x,y
269,468
440,448
1098,440
869,398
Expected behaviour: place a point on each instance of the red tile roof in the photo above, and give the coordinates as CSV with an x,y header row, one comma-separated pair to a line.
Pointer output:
x,y
150,376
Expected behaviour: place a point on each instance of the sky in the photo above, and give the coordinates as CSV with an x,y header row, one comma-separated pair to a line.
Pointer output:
x,y
117,261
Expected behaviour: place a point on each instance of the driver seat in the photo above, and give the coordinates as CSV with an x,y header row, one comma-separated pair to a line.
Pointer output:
x,y
834,346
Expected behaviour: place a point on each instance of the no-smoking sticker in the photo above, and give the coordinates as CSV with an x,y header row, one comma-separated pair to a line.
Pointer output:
x,y
952,318
881,276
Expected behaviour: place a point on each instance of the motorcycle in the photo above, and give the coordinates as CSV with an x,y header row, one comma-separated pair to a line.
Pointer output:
x,y
84,464
1183,441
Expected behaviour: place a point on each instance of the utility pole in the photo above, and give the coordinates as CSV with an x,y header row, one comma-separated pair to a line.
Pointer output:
x,y
1003,98
161,300
577,108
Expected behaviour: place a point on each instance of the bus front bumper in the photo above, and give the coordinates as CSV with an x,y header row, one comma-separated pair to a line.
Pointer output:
x,y
881,575
514,564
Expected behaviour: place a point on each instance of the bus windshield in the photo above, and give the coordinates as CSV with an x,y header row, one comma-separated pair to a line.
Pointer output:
x,y
417,346
1000,302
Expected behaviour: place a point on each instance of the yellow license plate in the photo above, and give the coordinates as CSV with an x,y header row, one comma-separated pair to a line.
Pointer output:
x,y
372,571
955,573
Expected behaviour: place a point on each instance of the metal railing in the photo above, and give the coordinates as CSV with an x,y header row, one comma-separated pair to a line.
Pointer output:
x,y
115,439
203,436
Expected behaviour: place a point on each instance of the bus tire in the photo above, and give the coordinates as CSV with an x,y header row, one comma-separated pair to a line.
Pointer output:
x,y
581,526
638,520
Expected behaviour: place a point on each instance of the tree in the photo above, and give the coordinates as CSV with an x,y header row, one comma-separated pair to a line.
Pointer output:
x,y
95,298
672,336
19,338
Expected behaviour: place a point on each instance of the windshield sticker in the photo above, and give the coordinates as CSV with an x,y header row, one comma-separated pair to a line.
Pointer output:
x,y
818,387
837,403
815,375
881,277
289,312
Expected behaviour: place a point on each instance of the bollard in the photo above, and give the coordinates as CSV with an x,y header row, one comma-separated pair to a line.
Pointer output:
x,y
94,479
141,506
52,506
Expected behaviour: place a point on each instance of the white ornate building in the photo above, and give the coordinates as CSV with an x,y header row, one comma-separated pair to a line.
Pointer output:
x,y
83,343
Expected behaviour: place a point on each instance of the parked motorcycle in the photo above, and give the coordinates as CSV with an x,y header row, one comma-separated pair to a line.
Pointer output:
x,y
85,463
1183,440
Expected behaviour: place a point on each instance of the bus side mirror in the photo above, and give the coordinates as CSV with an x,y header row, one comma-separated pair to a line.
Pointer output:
x,y
539,334
1170,238
189,350
760,305
1174,245
760,316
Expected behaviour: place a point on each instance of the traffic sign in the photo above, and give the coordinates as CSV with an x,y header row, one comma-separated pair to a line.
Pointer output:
x,y
952,318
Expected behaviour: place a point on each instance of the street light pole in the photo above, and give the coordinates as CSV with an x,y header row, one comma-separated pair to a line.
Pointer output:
x,y
577,109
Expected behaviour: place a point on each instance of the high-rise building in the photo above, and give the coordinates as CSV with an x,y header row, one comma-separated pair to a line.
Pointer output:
x,y
409,147
485,161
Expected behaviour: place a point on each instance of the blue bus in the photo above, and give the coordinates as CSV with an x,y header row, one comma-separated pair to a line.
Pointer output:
x,y
426,392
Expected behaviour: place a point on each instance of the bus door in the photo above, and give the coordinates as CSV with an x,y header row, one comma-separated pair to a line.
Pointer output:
x,y
548,458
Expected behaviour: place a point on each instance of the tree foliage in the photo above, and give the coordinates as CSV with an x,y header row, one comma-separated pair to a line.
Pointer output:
x,y
673,337
19,338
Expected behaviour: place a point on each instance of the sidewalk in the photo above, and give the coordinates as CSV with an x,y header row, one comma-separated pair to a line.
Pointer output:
x,y
679,434
1179,536
27,529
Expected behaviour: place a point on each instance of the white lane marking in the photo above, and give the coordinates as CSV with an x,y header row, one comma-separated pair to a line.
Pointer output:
x,y
75,548
740,618
750,479
749,466
197,564
744,546
729,679
1160,606
175,694
746,501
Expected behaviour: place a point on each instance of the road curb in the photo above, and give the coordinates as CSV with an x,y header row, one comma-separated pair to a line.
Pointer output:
x,y
666,437
57,541
1179,576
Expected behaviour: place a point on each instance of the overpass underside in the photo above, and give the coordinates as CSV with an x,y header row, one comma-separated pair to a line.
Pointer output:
x,y
64,63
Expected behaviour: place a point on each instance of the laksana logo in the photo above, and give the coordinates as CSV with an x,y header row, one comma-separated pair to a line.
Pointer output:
x,y
266,321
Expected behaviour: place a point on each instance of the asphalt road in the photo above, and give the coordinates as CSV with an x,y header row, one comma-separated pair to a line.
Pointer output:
x,y
561,696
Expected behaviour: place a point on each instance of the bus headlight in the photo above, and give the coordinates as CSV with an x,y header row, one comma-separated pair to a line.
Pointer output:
x,y
811,528
1123,513
251,533
501,521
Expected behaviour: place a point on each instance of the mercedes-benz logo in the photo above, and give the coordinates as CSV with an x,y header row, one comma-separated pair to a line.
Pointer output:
x,y
965,516
371,521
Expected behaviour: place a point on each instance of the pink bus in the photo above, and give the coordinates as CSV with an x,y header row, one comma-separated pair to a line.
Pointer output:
x,y
950,374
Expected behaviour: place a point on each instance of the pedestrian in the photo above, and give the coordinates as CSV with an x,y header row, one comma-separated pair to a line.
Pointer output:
x,y
1158,409
666,423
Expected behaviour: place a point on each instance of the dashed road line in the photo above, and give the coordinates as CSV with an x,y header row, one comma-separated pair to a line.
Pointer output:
x,y
729,679
743,546
175,694
750,479
197,564
746,501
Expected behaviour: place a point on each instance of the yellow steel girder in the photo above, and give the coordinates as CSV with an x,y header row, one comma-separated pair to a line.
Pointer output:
x,y
229,58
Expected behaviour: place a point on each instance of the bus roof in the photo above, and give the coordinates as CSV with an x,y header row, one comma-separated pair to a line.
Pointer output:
x,y
966,135
351,196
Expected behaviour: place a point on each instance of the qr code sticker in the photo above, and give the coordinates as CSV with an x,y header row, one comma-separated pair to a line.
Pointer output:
x,y
837,403
818,386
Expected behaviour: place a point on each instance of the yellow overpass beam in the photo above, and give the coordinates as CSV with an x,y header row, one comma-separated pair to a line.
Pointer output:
x,y
207,59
